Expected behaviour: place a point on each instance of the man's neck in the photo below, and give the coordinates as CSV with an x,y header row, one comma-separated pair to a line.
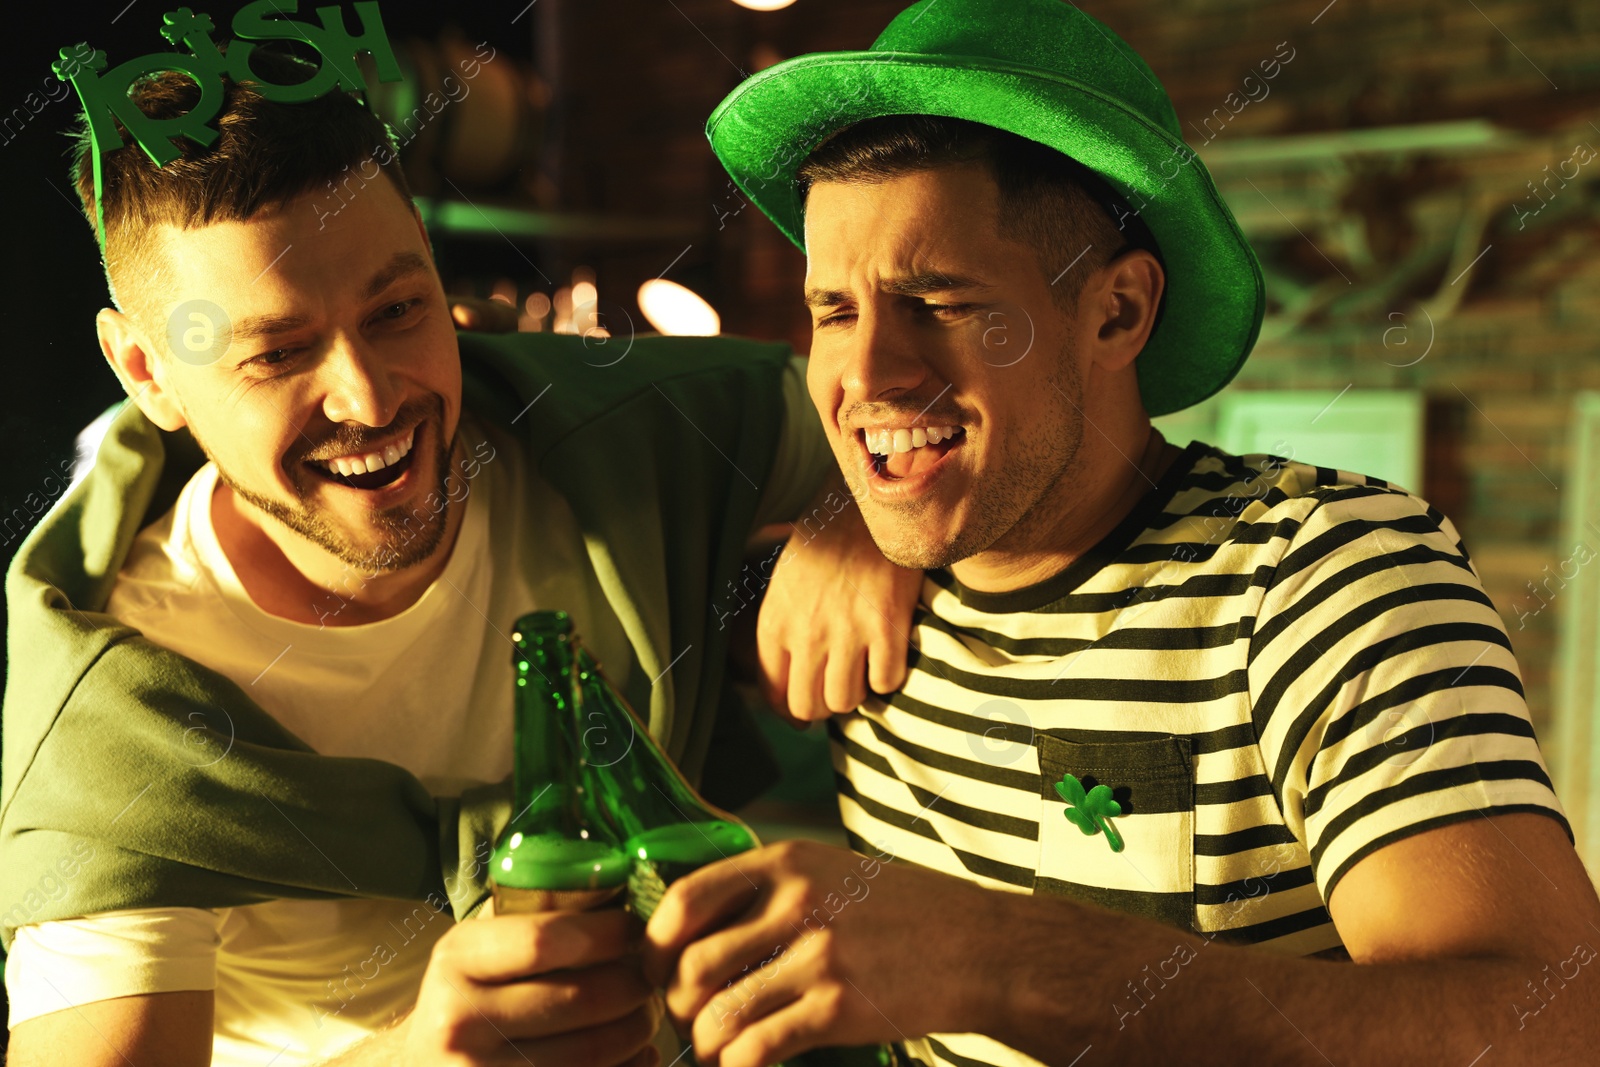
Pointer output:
x,y
292,578
1078,512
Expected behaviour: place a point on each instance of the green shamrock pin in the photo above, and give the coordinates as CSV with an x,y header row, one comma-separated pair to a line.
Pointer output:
x,y
1090,812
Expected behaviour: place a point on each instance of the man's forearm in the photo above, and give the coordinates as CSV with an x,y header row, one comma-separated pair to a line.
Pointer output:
x,y
1137,992
381,1049
830,504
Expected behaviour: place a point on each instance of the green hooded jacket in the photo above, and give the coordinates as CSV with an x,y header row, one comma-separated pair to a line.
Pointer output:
x,y
662,455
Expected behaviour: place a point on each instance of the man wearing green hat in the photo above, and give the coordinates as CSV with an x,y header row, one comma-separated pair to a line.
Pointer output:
x,y
1183,732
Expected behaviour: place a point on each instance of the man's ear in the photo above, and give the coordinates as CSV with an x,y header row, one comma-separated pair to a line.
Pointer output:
x,y
1120,303
140,370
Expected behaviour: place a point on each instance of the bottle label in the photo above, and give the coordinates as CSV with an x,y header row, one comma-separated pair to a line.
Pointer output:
x,y
645,889
509,900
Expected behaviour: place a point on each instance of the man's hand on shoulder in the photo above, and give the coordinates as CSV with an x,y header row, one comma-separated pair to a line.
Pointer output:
x,y
837,615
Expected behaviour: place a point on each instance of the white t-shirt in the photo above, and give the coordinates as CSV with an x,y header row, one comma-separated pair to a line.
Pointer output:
x,y
300,979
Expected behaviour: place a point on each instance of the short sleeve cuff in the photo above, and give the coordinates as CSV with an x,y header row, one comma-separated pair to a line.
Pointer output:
x,y
71,962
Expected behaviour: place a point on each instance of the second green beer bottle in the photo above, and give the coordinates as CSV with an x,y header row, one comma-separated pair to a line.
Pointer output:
x,y
667,828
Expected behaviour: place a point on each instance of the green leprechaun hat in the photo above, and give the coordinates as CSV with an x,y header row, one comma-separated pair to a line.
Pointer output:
x,y
1044,70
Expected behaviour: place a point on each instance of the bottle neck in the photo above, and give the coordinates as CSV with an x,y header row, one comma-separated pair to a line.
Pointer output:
x,y
543,720
642,787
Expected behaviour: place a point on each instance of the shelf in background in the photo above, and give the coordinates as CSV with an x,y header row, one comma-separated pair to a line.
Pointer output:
x,y
458,218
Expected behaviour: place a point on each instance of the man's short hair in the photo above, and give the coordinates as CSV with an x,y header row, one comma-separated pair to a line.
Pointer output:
x,y
1048,200
266,154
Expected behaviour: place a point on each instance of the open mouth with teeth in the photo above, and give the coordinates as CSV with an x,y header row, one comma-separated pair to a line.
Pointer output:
x,y
369,470
898,453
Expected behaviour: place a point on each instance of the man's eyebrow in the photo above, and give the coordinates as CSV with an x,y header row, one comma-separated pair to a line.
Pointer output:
x,y
402,265
826,298
266,325
920,284
930,281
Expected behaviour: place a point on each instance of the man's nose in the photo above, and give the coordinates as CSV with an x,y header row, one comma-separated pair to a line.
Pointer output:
x,y
359,387
883,360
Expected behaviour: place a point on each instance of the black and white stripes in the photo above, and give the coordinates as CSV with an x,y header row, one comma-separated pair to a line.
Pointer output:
x,y
1277,668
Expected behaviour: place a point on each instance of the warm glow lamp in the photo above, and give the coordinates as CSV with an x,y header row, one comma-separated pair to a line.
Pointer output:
x,y
675,310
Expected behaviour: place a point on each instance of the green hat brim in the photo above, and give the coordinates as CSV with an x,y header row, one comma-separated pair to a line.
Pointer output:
x,y
767,127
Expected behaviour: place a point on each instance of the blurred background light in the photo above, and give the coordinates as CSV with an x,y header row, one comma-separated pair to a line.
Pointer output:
x,y
676,310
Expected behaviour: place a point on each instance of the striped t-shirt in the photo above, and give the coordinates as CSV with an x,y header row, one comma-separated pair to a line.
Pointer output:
x,y
1276,668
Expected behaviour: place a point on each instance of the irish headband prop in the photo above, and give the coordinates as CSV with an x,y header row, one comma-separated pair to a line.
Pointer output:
x,y
109,111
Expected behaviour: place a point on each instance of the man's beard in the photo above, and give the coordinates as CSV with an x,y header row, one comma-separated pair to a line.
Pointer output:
x,y
407,534
1009,505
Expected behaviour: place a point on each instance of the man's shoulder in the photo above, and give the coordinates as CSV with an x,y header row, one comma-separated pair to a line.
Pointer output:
x,y
1218,471
1231,493
595,404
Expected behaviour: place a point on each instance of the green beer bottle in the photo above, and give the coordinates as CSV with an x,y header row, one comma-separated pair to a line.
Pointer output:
x,y
667,828
558,852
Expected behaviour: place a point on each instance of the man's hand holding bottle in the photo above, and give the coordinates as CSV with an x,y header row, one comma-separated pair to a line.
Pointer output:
x,y
555,989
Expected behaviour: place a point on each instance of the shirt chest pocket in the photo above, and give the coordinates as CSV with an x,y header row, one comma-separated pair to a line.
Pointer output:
x,y
1152,784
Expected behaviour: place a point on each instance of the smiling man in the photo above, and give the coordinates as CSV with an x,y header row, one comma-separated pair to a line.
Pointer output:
x,y
1184,733
259,685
